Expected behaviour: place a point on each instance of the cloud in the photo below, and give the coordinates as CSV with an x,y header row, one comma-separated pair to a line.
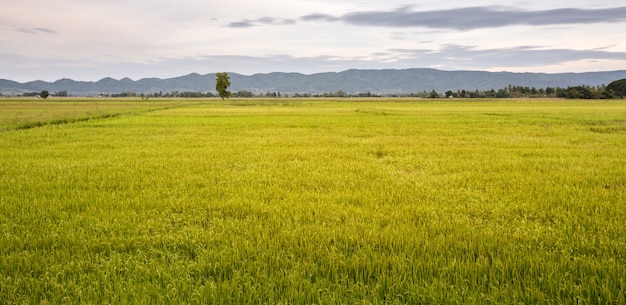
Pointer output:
x,y
475,17
468,18
521,56
448,57
36,31
316,17
241,24
263,20
275,21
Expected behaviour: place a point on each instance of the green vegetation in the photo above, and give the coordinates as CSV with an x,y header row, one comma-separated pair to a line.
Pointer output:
x,y
222,82
315,201
618,88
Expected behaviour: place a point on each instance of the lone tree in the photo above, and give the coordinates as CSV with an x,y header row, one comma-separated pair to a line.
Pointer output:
x,y
618,88
44,94
222,82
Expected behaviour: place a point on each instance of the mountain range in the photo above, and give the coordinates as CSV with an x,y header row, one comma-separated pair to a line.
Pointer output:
x,y
351,81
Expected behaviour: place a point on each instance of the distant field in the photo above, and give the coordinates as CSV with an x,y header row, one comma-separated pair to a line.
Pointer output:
x,y
313,201
24,113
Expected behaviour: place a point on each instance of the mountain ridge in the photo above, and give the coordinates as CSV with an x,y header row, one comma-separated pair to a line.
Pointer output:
x,y
385,81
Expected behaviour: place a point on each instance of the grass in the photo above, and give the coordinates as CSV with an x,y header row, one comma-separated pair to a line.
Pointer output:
x,y
26,113
318,201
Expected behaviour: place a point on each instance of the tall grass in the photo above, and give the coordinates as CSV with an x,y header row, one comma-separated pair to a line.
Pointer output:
x,y
299,201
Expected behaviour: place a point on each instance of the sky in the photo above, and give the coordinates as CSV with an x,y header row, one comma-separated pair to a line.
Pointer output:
x,y
92,39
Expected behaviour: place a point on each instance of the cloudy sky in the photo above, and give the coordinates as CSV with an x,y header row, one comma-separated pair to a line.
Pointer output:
x,y
92,39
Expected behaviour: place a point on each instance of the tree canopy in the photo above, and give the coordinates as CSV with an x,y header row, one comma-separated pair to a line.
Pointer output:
x,y
222,82
618,88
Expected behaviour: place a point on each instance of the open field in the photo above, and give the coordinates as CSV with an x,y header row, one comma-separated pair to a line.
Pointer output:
x,y
314,201
24,113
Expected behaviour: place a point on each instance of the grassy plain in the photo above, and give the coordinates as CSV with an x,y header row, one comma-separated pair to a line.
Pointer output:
x,y
317,201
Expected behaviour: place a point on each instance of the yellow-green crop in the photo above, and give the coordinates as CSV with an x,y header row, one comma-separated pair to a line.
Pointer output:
x,y
289,201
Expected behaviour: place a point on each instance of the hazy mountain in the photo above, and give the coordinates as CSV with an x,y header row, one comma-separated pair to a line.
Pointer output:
x,y
351,81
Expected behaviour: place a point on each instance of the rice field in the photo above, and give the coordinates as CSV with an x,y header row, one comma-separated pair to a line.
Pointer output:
x,y
25,113
303,201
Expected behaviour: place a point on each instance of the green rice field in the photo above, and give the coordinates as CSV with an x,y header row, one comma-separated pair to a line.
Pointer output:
x,y
312,201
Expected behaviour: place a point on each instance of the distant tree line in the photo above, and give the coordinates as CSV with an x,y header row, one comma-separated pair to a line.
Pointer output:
x,y
616,89
43,94
184,94
576,92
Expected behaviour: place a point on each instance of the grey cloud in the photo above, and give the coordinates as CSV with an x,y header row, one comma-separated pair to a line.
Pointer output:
x,y
449,57
522,56
475,17
36,31
241,24
321,17
604,48
263,20
275,21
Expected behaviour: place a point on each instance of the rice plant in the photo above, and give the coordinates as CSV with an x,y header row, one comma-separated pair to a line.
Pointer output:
x,y
285,201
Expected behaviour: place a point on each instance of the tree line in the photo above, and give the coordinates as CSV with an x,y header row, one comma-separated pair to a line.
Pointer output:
x,y
616,89
575,92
